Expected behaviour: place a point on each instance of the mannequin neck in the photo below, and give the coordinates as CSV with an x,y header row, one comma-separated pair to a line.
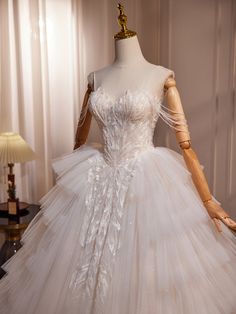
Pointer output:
x,y
128,52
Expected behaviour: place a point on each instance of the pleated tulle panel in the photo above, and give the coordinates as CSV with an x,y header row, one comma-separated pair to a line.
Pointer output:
x,y
172,259
132,238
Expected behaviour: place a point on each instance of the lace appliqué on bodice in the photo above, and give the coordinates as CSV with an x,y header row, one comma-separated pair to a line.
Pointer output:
x,y
127,124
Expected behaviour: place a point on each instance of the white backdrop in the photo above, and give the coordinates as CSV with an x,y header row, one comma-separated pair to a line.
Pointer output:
x,y
47,48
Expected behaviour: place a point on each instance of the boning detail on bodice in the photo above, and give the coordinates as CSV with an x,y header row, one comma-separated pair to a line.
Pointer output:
x,y
127,122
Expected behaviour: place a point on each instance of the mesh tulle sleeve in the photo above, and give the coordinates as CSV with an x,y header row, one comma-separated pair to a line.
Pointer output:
x,y
85,105
173,118
90,80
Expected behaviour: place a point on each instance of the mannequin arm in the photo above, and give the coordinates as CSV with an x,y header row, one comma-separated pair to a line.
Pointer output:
x,y
84,122
215,211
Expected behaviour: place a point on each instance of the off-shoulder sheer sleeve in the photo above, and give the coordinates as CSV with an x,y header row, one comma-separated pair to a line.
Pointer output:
x,y
174,119
84,109
90,80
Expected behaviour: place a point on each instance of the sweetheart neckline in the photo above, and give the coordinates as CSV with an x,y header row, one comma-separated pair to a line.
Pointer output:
x,y
125,93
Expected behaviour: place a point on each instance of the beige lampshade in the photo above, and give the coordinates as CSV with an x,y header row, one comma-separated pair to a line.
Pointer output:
x,y
13,148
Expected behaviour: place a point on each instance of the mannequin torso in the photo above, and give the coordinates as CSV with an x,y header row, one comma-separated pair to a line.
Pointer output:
x,y
129,71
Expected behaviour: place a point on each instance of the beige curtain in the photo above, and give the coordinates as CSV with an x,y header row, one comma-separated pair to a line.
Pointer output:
x,y
48,47
42,79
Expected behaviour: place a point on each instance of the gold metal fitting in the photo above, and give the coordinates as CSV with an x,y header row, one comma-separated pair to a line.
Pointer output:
x,y
122,20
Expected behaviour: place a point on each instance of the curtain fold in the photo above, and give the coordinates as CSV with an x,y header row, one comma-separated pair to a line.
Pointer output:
x,y
41,84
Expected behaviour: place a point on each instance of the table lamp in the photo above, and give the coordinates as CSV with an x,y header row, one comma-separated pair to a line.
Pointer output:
x,y
13,149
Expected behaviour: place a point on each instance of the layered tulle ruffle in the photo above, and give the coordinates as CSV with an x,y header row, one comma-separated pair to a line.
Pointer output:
x,y
131,238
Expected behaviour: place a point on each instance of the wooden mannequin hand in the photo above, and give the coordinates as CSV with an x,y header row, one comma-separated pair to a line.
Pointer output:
x,y
217,213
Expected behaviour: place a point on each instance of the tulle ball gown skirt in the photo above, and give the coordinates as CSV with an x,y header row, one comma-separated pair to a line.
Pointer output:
x,y
127,239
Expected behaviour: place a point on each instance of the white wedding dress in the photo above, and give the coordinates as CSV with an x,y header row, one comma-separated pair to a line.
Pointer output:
x,y
124,230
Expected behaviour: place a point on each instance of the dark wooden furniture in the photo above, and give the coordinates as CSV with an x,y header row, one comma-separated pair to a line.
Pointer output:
x,y
13,229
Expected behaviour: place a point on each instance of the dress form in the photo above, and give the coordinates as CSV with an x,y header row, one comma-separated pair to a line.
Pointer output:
x,y
129,70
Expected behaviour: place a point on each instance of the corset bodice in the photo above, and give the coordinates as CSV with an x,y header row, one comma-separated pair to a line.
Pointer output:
x,y
127,123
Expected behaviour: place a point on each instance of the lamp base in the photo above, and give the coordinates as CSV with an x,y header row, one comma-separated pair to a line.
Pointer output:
x,y
13,211
13,207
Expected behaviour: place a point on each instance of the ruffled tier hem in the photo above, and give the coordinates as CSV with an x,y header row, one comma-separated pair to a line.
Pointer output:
x,y
134,239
